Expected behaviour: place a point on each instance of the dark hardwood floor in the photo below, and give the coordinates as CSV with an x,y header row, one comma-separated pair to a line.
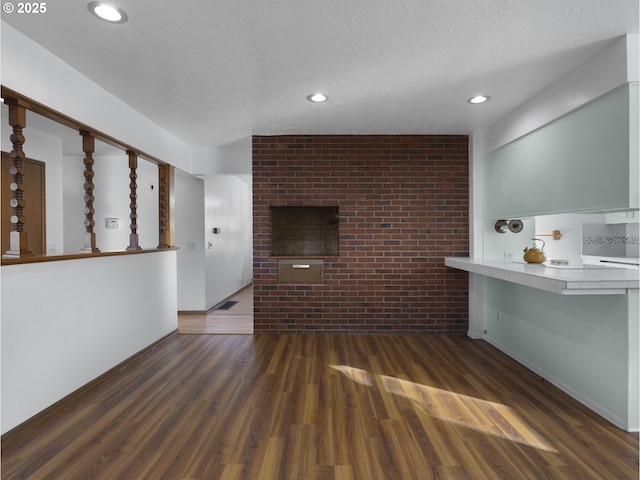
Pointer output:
x,y
322,407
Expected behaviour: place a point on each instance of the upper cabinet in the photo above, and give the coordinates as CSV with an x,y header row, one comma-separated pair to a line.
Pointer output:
x,y
586,161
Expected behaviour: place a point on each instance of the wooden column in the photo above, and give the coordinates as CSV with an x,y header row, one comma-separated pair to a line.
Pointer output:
x,y
133,205
88,147
166,203
18,245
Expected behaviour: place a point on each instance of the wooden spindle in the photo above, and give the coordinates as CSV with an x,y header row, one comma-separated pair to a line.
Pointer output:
x,y
88,147
133,205
166,204
18,245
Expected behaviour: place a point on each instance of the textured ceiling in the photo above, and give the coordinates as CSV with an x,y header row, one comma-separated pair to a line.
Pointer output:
x,y
213,72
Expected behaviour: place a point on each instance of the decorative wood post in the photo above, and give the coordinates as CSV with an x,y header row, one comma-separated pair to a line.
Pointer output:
x,y
133,205
166,203
18,245
88,147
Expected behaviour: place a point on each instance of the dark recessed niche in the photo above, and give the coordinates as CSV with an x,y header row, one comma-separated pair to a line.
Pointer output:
x,y
304,231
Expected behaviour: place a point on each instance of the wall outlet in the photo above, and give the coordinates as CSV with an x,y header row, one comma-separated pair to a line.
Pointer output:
x,y
498,318
508,255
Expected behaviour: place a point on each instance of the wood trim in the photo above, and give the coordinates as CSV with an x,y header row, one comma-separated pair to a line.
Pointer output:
x,y
19,245
166,206
77,256
40,418
134,242
166,175
88,147
10,95
43,202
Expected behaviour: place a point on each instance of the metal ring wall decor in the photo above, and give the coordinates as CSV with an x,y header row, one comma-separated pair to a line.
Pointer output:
x,y
515,226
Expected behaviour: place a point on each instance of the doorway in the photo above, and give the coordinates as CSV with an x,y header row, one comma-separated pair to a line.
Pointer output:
x,y
34,210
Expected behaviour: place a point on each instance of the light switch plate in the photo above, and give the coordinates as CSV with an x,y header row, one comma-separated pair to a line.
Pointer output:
x,y
112,223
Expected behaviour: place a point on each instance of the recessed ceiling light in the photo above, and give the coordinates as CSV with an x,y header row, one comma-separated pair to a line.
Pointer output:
x,y
479,99
107,12
317,98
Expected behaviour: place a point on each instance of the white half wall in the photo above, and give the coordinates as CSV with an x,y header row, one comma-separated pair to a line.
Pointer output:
x,y
90,315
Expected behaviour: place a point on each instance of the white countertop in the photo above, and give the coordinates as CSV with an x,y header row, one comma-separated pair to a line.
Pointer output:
x,y
620,260
564,281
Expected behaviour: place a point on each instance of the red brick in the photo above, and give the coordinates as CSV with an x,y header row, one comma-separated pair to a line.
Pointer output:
x,y
403,207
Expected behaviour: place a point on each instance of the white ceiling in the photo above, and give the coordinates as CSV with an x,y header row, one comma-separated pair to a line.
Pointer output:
x,y
216,71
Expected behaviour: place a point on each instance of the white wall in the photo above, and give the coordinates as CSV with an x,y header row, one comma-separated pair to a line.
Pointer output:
x,y
68,91
229,257
508,246
189,209
90,315
567,248
228,206
570,225
111,192
232,159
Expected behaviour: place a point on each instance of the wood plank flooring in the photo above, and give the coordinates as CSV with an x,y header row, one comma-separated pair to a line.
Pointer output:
x,y
322,407
237,320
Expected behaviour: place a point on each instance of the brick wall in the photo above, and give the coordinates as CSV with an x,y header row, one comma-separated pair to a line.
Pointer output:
x,y
403,204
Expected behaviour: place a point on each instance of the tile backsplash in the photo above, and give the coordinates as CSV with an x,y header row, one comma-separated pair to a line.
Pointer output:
x,y
611,240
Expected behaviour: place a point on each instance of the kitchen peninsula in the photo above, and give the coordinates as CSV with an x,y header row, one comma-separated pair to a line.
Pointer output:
x,y
581,280
577,329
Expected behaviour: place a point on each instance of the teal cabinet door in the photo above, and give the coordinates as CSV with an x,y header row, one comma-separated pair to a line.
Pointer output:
x,y
586,161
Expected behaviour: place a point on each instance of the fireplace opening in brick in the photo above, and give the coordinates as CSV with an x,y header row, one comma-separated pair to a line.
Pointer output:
x,y
304,231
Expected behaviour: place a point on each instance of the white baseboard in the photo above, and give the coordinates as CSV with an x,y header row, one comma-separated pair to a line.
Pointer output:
x,y
569,390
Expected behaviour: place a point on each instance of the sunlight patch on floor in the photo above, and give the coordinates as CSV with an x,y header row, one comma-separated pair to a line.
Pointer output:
x,y
356,374
470,412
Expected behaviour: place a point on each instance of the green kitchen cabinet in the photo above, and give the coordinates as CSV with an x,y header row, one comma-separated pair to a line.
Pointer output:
x,y
585,161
